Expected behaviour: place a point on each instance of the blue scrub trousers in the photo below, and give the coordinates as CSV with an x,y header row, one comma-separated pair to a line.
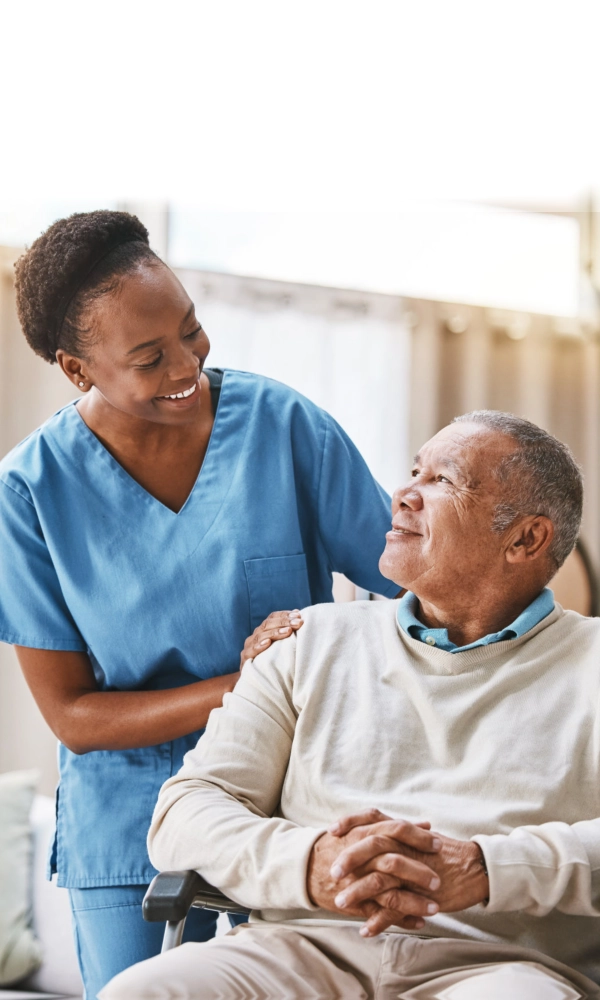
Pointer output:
x,y
111,933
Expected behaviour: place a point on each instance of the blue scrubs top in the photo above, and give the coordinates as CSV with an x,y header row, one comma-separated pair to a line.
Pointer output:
x,y
92,562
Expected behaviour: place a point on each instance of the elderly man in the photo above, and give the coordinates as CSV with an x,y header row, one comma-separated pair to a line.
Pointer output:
x,y
472,704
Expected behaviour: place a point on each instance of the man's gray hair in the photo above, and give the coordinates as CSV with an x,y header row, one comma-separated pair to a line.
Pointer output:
x,y
540,477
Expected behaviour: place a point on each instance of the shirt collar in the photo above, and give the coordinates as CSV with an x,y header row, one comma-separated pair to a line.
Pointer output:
x,y
528,619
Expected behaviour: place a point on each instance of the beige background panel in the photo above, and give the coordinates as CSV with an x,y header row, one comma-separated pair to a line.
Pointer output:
x,y
30,390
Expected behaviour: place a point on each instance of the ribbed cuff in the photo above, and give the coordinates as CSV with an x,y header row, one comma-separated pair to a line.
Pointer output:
x,y
536,869
294,849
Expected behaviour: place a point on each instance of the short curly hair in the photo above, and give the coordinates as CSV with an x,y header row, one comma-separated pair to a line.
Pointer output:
x,y
71,264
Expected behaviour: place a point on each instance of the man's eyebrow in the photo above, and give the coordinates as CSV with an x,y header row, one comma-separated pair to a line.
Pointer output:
x,y
157,340
449,463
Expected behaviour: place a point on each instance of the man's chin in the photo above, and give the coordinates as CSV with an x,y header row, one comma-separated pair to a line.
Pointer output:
x,y
392,571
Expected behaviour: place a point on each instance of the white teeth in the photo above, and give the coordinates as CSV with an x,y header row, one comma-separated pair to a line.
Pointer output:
x,y
182,395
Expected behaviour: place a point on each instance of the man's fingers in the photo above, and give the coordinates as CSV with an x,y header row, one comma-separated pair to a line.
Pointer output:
x,y
411,834
343,826
406,870
361,853
380,920
385,891
406,902
388,915
415,835
412,923
386,918
380,842
363,890
380,917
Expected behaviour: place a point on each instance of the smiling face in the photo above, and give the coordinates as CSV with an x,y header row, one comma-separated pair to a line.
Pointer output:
x,y
442,536
148,349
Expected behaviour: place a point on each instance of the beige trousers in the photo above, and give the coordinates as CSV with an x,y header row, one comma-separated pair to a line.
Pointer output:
x,y
275,961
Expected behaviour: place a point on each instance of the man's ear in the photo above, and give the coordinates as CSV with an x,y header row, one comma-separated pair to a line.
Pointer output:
x,y
529,539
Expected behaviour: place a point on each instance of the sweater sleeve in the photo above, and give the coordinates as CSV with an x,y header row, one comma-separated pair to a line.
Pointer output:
x,y
537,869
218,815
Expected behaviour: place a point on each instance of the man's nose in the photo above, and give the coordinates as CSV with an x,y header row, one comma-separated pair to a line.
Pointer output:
x,y
405,496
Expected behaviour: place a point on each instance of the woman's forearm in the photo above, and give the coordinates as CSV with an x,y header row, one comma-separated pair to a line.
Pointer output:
x,y
120,720
84,718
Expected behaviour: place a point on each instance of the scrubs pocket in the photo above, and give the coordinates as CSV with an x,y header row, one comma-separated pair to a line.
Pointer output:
x,y
106,800
278,583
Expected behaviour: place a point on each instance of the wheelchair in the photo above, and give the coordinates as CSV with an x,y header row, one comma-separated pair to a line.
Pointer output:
x,y
171,895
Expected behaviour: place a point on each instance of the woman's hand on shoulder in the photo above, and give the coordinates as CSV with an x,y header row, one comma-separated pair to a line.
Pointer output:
x,y
279,625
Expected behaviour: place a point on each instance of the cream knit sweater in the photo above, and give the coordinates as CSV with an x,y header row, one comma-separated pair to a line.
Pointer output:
x,y
500,744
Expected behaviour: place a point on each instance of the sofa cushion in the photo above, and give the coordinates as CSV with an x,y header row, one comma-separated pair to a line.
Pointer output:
x,y
20,952
59,972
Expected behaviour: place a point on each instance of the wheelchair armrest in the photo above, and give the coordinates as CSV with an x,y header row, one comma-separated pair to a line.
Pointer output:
x,y
171,894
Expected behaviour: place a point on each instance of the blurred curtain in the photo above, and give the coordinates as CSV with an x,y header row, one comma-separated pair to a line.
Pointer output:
x,y
347,351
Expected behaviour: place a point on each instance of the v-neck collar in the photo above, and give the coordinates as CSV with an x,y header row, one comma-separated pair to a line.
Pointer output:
x,y
212,482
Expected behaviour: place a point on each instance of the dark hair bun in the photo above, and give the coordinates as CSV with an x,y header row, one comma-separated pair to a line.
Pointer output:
x,y
73,261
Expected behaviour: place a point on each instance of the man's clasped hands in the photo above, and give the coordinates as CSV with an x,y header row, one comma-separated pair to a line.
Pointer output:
x,y
390,871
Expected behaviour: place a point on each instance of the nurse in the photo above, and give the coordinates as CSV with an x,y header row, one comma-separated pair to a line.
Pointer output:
x,y
145,531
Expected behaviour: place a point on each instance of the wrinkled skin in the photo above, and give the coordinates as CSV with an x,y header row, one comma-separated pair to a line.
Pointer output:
x,y
469,578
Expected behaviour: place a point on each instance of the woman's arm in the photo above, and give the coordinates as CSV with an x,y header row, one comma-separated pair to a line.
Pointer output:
x,y
84,718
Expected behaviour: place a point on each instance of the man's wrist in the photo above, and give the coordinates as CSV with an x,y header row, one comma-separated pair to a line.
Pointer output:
x,y
464,879
318,881
481,872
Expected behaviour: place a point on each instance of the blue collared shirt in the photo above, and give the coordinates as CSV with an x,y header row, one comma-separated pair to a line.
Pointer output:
x,y
538,609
